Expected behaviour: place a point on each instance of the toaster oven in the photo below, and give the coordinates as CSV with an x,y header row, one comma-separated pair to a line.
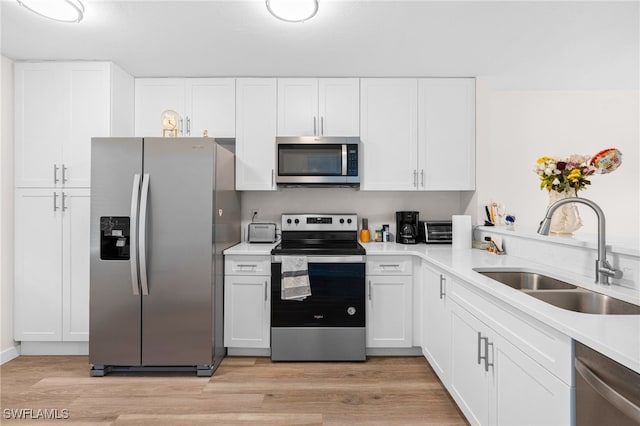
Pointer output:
x,y
436,231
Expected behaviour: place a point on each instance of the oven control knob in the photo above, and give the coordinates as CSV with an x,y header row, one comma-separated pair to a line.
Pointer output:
x,y
348,220
297,221
341,220
289,221
351,310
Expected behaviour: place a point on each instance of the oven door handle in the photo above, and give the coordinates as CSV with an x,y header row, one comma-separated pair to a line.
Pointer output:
x,y
326,259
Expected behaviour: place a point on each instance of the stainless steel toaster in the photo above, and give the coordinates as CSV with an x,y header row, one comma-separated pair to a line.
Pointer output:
x,y
262,233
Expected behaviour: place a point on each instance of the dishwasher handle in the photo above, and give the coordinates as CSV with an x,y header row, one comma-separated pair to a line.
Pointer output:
x,y
607,392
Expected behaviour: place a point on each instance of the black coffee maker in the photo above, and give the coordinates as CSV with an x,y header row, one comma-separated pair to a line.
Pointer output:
x,y
406,227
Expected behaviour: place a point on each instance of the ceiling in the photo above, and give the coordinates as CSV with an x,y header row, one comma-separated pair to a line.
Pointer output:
x,y
518,43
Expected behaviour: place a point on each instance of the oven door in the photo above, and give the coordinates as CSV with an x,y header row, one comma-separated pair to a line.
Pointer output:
x,y
337,294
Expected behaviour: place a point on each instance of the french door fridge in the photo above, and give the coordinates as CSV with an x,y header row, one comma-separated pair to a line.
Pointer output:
x,y
162,211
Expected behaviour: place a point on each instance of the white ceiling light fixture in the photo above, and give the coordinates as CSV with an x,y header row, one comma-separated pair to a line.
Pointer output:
x,y
293,10
69,11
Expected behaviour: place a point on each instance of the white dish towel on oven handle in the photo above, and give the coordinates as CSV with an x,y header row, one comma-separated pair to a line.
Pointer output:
x,y
295,278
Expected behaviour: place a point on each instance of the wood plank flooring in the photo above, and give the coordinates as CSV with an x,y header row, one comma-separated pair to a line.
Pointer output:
x,y
380,391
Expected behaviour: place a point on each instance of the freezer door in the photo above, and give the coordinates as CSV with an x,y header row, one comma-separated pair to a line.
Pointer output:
x,y
178,255
114,315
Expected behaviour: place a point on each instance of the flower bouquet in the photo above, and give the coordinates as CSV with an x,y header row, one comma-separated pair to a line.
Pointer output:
x,y
564,177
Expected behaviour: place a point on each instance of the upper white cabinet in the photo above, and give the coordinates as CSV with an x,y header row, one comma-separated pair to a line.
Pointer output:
x,y
59,107
318,107
203,103
256,134
415,131
446,134
389,133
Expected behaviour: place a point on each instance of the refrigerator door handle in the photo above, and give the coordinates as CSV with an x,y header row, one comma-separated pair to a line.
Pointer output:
x,y
133,257
142,232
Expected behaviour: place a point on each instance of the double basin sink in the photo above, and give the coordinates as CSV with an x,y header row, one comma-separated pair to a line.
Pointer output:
x,y
561,294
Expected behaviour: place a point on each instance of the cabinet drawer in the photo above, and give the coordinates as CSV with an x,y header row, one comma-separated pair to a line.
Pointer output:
x,y
389,265
247,265
548,347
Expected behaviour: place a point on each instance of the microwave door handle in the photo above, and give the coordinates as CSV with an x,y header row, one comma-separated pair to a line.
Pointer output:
x,y
344,160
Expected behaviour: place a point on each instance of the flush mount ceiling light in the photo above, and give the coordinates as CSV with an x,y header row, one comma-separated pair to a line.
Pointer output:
x,y
293,10
59,10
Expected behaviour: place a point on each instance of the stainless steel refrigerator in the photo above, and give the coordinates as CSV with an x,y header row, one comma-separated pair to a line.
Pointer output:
x,y
162,211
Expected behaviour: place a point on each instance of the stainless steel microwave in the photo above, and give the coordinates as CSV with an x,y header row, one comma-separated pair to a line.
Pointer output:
x,y
322,161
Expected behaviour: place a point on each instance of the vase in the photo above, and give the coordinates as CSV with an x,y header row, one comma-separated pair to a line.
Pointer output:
x,y
566,220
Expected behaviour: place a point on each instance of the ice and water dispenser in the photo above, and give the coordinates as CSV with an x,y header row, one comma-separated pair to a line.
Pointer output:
x,y
114,237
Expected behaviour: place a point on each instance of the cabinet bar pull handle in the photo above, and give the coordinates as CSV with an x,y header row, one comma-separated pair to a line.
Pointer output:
x,y
64,205
422,177
487,364
265,290
394,265
64,174
273,177
479,347
415,178
369,289
443,282
181,129
246,265
188,126
315,133
55,199
55,174
321,126
133,258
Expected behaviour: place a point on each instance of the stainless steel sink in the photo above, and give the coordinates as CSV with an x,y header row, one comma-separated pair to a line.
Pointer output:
x,y
561,294
587,302
524,280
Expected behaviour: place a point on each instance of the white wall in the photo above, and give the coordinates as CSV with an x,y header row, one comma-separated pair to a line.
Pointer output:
x,y
7,345
519,126
378,207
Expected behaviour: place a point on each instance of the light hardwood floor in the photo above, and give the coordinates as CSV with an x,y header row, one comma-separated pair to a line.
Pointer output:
x,y
382,391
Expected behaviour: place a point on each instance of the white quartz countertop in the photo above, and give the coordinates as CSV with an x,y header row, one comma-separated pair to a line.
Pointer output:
x,y
616,336
251,249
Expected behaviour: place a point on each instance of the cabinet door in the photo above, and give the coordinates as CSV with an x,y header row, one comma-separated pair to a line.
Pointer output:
x,y
339,107
436,341
211,106
247,311
152,97
38,265
75,266
256,134
41,123
389,312
389,134
89,92
469,382
298,107
446,134
525,393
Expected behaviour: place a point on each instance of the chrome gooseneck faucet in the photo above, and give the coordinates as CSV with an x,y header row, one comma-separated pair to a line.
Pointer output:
x,y
604,270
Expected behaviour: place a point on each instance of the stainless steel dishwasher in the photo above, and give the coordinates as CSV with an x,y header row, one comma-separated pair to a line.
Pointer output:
x,y
607,393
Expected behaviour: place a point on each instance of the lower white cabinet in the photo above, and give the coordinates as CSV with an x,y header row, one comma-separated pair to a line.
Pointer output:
x,y
52,265
247,302
389,317
494,382
436,327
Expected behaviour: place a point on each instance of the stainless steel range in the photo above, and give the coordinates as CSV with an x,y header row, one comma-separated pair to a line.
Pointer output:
x,y
324,319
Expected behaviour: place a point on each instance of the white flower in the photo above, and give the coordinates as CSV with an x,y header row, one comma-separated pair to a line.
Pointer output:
x,y
556,181
548,171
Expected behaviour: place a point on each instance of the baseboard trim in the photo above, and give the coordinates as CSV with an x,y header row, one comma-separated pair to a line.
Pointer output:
x,y
415,351
54,348
9,354
248,351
